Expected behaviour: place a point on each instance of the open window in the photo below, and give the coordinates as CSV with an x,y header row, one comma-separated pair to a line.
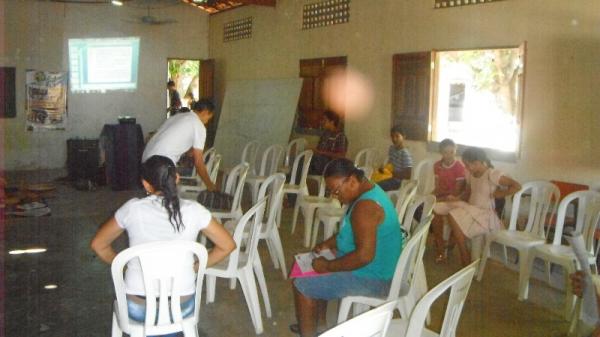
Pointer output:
x,y
474,97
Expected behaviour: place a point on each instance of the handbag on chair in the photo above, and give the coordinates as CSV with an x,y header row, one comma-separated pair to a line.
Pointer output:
x,y
215,200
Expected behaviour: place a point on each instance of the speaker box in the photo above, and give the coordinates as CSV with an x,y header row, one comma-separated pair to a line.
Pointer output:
x,y
83,159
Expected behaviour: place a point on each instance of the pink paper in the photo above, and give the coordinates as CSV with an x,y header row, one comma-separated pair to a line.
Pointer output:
x,y
296,272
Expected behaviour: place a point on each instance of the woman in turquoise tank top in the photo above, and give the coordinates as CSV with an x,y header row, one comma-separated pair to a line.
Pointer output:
x,y
367,248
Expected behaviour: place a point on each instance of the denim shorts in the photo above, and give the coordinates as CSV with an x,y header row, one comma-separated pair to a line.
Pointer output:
x,y
137,311
341,284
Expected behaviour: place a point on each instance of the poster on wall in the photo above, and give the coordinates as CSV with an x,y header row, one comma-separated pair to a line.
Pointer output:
x,y
46,103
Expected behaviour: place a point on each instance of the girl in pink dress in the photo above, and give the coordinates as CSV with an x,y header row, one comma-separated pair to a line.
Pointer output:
x,y
472,213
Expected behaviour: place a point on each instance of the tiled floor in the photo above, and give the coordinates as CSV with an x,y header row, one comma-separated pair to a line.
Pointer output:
x,y
81,305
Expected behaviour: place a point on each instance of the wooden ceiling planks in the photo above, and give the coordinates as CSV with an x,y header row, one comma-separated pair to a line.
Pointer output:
x,y
217,6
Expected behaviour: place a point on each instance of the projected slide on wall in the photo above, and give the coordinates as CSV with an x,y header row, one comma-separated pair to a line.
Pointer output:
x,y
103,64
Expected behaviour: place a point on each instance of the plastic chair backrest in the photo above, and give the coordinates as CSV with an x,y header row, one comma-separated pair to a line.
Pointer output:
x,y
371,323
423,173
368,170
294,147
586,204
234,185
424,201
459,285
208,154
270,160
249,154
543,201
215,160
306,157
273,186
406,194
406,267
163,264
251,224
366,157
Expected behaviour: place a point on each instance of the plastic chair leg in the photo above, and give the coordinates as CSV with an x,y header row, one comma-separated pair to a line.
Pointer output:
x,y
190,330
262,283
524,279
329,227
255,187
295,216
250,292
210,288
232,283
569,297
309,216
484,256
116,330
276,243
315,232
344,310
272,252
575,319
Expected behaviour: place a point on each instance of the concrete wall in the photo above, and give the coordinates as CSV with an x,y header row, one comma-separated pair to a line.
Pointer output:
x,y
561,126
35,37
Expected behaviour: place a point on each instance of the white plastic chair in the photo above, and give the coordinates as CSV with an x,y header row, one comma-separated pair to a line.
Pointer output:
x,y
308,204
372,323
423,173
424,201
208,154
268,165
404,196
543,200
191,191
587,217
366,157
234,186
273,186
330,217
241,264
300,189
459,285
163,264
249,153
294,147
404,282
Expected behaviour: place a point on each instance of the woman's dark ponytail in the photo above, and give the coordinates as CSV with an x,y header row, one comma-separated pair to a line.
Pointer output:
x,y
161,173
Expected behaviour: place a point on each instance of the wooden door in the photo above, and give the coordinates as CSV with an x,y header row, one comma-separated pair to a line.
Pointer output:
x,y
310,104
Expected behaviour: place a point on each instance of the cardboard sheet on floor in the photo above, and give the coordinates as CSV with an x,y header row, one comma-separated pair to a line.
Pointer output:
x,y
260,110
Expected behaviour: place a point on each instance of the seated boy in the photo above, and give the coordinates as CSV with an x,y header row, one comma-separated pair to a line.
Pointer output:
x,y
400,160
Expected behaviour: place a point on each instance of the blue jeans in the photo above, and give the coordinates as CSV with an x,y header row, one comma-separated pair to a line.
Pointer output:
x,y
137,312
341,284
391,184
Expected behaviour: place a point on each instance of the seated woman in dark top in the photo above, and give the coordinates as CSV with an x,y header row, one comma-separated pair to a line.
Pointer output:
x,y
333,143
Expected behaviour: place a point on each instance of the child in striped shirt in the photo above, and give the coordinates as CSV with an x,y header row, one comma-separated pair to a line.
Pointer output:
x,y
399,158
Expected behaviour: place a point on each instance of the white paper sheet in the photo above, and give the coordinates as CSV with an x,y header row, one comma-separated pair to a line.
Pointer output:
x,y
304,260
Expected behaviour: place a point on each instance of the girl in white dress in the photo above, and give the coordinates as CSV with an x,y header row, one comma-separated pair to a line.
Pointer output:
x,y
473,213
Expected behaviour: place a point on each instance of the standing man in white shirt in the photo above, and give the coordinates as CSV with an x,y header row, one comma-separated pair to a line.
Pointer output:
x,y
180,133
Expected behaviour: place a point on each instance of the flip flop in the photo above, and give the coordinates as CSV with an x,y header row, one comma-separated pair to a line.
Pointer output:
x,y
295,328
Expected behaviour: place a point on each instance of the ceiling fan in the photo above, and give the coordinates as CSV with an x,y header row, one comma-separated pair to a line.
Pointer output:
x,y
150,19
